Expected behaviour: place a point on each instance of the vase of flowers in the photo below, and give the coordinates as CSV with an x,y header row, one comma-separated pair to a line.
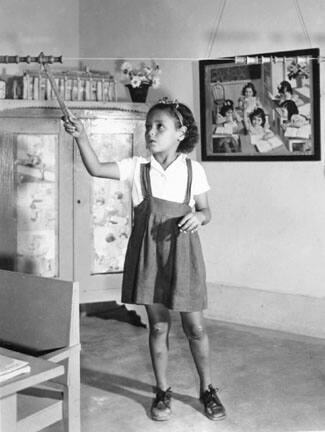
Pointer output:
x,y
139,80
298,71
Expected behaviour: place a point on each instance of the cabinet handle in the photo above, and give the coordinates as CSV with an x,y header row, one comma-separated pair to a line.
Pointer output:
x,y
78,201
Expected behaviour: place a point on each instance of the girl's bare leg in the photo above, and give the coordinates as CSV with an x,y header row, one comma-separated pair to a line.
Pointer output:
x,y
159,327
194,328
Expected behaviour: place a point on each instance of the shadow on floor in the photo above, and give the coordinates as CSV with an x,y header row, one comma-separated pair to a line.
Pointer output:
x,y
111,310
131,388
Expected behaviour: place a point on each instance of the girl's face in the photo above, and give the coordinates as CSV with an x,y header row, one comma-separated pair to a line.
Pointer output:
x,y
229,114
162,135
257,121
287,94
248,92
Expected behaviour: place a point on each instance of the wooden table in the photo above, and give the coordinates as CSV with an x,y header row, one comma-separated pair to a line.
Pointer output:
x,y
41,371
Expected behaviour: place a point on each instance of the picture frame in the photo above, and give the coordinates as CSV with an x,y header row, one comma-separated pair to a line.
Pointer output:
x,y
261,107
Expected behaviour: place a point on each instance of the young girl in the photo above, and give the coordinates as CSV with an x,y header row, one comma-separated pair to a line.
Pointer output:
x,y
285,91
287,100
164,268
255,123
228,118
248,100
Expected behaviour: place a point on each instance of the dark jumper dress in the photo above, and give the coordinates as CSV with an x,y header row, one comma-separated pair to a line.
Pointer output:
x,y
162,264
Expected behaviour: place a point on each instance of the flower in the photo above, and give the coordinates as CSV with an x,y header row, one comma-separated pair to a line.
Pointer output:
x,y
136,81
297,69
126,68
146,75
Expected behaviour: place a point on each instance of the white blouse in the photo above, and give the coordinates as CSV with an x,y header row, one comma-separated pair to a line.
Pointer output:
x,y
169,184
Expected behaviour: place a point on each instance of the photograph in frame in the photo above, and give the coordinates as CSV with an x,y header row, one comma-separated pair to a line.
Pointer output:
x,y
261,107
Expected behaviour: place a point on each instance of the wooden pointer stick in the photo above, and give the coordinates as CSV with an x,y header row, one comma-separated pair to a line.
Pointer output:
x,y
67,113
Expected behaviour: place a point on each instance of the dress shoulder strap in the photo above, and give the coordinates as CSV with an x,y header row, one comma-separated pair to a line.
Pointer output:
x,y
145,179
189,181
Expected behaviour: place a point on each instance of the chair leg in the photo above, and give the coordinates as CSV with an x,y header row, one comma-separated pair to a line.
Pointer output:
x,y
71,398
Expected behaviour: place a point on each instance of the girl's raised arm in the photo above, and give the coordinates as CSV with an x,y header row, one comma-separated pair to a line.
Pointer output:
x,y
75,128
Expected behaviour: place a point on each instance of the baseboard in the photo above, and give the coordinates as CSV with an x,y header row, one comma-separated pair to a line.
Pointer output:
x,y
290,313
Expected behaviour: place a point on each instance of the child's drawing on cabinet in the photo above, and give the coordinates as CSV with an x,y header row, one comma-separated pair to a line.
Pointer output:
x,y
111,208
36,204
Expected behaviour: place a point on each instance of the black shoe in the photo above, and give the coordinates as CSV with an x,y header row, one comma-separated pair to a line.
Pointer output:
x,y
213,407
160,408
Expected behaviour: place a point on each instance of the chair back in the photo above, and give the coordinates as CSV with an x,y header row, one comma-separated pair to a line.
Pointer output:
x,y
37,314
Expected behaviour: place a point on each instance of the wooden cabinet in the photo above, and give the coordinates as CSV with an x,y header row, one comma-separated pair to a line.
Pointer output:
x,y
57,220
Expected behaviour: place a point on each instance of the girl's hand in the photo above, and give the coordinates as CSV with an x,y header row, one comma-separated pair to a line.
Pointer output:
x,y
220,119
190,223
73,126
268,134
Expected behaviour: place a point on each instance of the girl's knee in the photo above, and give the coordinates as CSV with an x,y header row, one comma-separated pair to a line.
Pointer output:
x,y
195,332
159,329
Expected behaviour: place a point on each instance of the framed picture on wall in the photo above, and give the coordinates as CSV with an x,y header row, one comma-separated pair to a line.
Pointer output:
x,y
261,107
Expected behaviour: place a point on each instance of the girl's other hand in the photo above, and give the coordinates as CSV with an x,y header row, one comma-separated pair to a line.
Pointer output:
x,y
73,126
190,223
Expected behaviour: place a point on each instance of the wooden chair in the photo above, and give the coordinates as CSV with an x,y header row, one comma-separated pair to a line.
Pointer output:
x,y
40,316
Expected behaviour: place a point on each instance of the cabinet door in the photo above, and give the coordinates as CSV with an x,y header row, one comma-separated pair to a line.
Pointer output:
x,y
35,195
103,211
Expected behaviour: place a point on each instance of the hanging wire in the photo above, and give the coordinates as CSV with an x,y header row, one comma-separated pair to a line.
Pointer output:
x,y
302,22
213,36
215,32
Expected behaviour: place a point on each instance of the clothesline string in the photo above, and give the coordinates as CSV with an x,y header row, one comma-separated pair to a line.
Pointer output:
x,y
277,58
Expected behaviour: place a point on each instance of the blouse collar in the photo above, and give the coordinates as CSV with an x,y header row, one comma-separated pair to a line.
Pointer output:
x,y
178,161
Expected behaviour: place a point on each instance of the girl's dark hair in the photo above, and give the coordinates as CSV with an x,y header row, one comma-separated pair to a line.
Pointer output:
x,y
284,86
227,105
291,108
191,135
249,85
258,112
